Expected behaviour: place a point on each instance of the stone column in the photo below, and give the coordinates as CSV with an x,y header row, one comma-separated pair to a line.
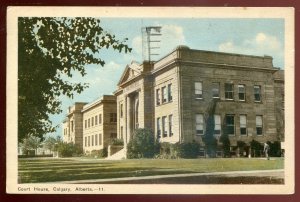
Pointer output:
x,y
128,118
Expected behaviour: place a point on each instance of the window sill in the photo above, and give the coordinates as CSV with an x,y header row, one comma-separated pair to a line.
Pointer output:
x,y
164,103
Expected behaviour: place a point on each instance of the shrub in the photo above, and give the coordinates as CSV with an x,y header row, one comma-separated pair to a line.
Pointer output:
x,y
179,150
257,148
68,149
142,144
102,153
275,149
211,144
117,142
188,150
226,144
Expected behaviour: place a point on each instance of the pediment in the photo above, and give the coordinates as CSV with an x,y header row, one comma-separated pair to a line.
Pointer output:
x,y
131,71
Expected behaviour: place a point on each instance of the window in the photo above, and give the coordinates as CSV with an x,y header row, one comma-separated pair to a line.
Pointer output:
x,y
215,90
100,118
85,141
92,140
257,94
100,139
243,124
229,124
92,121
121,132
217,130
259,125
157,97
96,140
96,120
170,125
241,90
72,126
158,127
164,126
89,121
199,124
198,90
85,123
89,140
228,91
170,97
121,110
113,117
164,94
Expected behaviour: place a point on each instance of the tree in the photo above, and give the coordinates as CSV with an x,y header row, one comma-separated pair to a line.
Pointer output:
x,y
210,141
50,143
68,149
30,143
50,50
142,144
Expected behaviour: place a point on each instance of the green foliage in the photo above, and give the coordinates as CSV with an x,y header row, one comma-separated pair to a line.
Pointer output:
x,y
51,143
188,150
256,148
102,153
116,142
68,149
30,144
208,138
275,149
179,150
225,144
142,144
50,50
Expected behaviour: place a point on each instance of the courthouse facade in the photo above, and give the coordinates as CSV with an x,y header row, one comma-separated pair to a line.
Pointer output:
x,y
175,95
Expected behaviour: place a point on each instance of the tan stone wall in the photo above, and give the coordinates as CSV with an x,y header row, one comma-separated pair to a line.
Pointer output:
x,y
163,79
102,129
209,74
96,129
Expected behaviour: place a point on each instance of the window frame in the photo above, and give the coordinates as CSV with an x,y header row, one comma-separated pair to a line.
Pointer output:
x,y
257,126
231,125
100,119
242,93
220,124
164,127
198,90
170,123
170,95
158,100
243,125
229,92
158,129
199,124
260,97
218,89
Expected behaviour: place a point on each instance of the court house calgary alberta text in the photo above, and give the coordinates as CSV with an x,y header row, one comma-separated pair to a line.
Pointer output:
x,y
173,97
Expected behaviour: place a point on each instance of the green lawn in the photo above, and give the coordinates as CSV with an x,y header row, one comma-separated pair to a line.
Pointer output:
x,y
51,170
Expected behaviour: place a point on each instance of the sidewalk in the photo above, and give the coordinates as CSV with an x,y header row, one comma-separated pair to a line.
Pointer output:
x,y
278,174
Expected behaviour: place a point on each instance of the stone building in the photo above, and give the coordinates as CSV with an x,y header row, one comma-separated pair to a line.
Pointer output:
x,y
99,123
72,125
176,95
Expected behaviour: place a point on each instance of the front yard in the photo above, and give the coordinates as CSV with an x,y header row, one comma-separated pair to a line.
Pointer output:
x,y
51,170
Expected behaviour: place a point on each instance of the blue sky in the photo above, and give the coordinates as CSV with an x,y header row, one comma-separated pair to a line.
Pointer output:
x,y
245,36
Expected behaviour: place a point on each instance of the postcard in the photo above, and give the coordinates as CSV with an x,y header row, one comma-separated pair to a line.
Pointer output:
x,y
149,100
